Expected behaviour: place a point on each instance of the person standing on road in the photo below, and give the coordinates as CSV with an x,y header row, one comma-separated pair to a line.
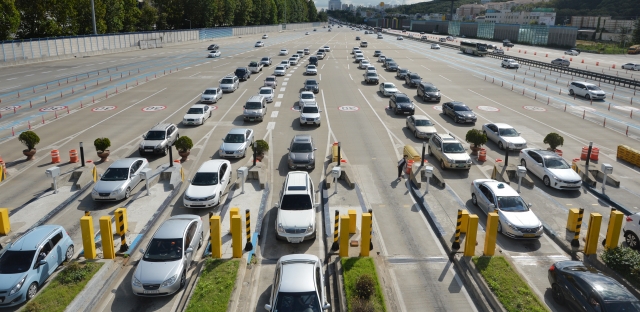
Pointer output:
x,y
401,164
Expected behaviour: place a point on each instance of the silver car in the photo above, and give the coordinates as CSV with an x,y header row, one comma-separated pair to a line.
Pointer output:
x,y
159,139
588,90
298,285
504,135
561,62
211,95
421,126
236,142
268,93
310,114
280,70
163,268
302,152
515,217
120,179
271,81
306,97
229,83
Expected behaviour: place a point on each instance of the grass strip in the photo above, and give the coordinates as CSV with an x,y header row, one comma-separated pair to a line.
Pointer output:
x,y
513,292
215,285
354,267
64,287
602,48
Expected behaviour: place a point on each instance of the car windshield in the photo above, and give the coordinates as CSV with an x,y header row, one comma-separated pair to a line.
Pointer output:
x,y
266,91
271,79
310,109
211,91
164,249
372,75
508,132
430,89
392,64
512,204
265,58
414,76
556,163
205,178
239,71
452,148
306,96
16,261
253,64
279,68
297,302
402,71
115,174
423,122
481,47
252,105
461,108
311,67
284,62
302,147
235,138
388,60
283,50
195,110
227,81
292,58
402,99
622,306
592,87
296,202
311,83
389,86
155,135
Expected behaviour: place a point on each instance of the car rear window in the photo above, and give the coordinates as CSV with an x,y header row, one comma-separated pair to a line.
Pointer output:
x,y
296,201
227,81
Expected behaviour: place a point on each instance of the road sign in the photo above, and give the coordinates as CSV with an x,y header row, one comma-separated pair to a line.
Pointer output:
x,y
535,108
103,108
488,108
438,108
52,108
10,108
349,108
153,108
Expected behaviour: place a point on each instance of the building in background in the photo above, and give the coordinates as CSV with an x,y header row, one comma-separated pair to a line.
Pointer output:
x,y
537,16
509,4
334,5
469,11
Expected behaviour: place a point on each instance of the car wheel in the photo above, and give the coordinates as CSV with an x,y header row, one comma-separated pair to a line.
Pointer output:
x,y
523,163
546,181
415,133
442,165
456,120
587,96
31,292
556,292
183,279
69,254
395,111
571,91
499,226
500,145
632,240
127,193
430,153
474,199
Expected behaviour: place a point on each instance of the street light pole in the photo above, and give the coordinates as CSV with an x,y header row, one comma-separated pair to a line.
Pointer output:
x,y
93,17
189,22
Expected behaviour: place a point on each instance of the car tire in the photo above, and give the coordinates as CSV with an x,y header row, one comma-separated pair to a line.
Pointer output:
x,y
456,119
183,279
631,239
415,133
587,96
571,91
500,145
523,163
474,199
499,226
200,242
546,181
127,193
395,111
556,293
32,291
442,165
69,254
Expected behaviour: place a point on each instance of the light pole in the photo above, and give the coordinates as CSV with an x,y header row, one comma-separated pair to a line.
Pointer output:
x,y
93,18
189,22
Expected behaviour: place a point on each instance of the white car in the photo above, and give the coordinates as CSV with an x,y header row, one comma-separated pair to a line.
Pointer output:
x,y
268,93
306,51
208,184
296,217
265,36
364,64
515,217
631,230
280,70
400,38
587,90
306,97
298,282
306,33
631,66
359,58
504,135
284,52
571,52
311,70
435,46
510,63
388,89
371,69
382,58
552,169
196,115
353,51
293,61
215,53
310,114
259,44
327,48
285,63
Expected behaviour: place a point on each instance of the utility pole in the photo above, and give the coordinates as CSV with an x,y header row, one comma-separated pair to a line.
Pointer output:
x,y
452,10
93,17
189,22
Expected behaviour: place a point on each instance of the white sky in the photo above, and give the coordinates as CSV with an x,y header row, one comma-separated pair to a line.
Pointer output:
x,y
323,4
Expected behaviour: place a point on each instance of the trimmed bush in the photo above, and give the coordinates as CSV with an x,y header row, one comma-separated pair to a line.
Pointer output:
x,y
554,140
365,286
625,261
184,143
262,148
29,139
476,137
361,305
102,144
75,273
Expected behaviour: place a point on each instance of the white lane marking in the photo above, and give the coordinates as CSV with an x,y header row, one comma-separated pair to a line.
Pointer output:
x,y
258,77
284,83
409,59
286,79
322,66
277,104
320,76
395,150
12,78
426,67
271,125
385,79
187,67
61,69
194,74
453,67
274,114
46,72
283,89
31,75
347,66
280,95
288,75
350,77
444,78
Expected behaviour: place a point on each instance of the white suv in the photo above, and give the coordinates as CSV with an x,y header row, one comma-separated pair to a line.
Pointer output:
x,y
449,152
296,220
587,90
510,63
631,230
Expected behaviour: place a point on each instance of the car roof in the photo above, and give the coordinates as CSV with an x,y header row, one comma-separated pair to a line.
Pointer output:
x,y
420,117
296,182
265,88
238,131
257,98
125,162
34,237
500,188
212,165
230,76
198,106
502,125
215,89
271,76
175,226
302,138
543,153
298,273
397,95
161,126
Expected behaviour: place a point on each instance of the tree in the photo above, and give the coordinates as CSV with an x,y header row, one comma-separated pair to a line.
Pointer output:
x,y
229,12
635,37
114,15
171,14
9,19
312,11
82,20
217,16
148,17
257,14
322,16
242,15
132,16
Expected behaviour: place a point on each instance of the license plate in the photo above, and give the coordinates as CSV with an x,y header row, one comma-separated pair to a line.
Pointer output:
x,y
252,119
151,291
309,122
295,240
461,166
148,150
469,119
529,235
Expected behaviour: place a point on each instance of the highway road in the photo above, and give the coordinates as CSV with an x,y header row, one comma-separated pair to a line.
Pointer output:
x,y
354,113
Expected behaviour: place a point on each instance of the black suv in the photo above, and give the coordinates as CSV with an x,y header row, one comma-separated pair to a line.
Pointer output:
x,y
392,66
311,85
412,79
401,73
213,47
243,73
460,112
401,103
428,92
313,60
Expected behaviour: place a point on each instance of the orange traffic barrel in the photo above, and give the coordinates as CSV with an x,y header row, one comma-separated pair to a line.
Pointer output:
x,y
595,152
176,160
559,152
585,151
482,154
73,156
409,165
55,156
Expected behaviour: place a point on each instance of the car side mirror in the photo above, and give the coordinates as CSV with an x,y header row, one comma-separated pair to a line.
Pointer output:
x,y
42,262
326,306
189,180
439,149
277,205
141,250
315,148
529,205
267,307
189,250
492,207
144,136
288,149
100,175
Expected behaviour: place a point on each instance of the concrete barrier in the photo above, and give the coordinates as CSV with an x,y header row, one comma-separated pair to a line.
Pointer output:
x,y
258,172
346,175
173,174
508,174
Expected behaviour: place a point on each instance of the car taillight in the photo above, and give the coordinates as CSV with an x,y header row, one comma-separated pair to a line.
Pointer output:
x,y
629,219
552,268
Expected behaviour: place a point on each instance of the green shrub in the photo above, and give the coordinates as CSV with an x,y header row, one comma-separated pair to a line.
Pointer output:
x,y
29,138
262,148
184,143
365,286
477,137
75,273
361,305
625,261
102,144
554,140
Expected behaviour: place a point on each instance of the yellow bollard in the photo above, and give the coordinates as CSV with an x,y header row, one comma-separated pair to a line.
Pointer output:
x,y
236,236
352,221
470,240
591,246
491,234
613,231
344,236
106,233
365,234
464,221
572,220
235,211
216,237
122,226
5,226
334,153
336,226
88,241
94,172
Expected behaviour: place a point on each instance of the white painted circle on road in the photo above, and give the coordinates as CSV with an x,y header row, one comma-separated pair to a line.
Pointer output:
x,y
213,107
153,108
348,108
438,108
9,108
535,108
52,108
488,108
103,108
582,108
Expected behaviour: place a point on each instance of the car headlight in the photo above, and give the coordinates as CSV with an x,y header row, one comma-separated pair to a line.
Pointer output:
x,y
468,161
280,228
94,192
141,145
513,227
18,286
309,229
159,146
136,282
170,281
511,145
211,197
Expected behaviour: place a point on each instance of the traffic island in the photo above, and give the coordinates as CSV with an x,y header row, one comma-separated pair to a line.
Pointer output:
x,y
215,285
509,174
346,175
358,285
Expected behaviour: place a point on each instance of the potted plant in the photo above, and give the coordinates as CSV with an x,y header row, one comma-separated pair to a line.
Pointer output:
x,y
477,138
260,147
183,145
554,140
102,145
29,139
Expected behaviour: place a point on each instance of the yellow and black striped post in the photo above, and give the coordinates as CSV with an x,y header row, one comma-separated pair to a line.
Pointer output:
x,y
249,245
456,241
335,245
87,213
371,231
575,242
122,225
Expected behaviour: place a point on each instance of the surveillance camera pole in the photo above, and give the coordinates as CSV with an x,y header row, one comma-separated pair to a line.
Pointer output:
x,y
82,154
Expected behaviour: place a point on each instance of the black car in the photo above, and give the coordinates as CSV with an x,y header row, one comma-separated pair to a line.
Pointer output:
x,y
412,79
460,112
386,61
313,60
312,85
357,38
371,78
392,66
401,103
507,43
242,73
428,92
402,72
213,47
581,288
